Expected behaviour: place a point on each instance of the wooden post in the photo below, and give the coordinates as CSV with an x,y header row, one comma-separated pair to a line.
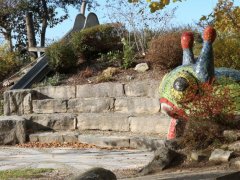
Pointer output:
x,y
31,34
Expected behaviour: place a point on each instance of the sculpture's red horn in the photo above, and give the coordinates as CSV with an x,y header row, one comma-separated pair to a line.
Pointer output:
x,y
209,34
187,40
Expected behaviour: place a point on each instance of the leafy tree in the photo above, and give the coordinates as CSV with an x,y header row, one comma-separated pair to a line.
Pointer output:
x,y
139,22
11,20
225,17
156,5
45,14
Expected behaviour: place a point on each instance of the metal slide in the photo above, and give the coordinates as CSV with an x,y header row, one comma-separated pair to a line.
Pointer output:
x,y
41,68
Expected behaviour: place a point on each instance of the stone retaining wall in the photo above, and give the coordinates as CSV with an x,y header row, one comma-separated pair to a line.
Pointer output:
x,y
137,97
132,107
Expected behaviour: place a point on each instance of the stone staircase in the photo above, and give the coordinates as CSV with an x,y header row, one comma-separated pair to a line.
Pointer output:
x,y
106,114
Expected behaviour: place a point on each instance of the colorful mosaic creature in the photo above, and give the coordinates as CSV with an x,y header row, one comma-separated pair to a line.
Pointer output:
x,y
183,83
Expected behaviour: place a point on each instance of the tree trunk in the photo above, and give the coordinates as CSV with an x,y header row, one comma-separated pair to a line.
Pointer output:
x,y
44,23
8,37
83,7
31,34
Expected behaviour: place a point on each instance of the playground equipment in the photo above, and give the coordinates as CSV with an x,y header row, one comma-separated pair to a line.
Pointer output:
x,y
41,68
182,84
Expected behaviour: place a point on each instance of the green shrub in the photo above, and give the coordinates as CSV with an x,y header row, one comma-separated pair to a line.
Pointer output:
x,y
91,42
111,58
61,56
227,52
128,54
165,51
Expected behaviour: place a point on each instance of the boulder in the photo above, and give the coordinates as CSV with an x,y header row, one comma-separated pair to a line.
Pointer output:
x,y
234,146
97,174
231,135
12,130
219,155
163,157
142,67
18,102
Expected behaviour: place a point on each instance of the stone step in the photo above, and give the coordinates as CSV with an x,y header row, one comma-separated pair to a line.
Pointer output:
x,y
132,89
151,124
102,139
133,97
46,122
136,105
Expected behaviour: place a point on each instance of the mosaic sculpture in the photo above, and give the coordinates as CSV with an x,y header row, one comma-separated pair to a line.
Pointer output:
x,y
183,83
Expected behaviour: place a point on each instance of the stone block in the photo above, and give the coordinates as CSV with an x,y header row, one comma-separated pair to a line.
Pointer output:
x,y
90,105
18,102
146,143
105,141
155,124
49,106
139,105
231,135
143,88
56,92
12,130
220,155
103,121
50,138
70,137
100,90
60,121
142,67
235,146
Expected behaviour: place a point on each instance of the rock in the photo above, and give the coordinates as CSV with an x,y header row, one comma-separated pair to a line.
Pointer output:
x,y
90,105
231,135
196,156
143,88
103,121
234,146
100,90
57,92
129,78
138,105
18,102
220,155
151,144
97,174
163,157
142,67
49,106
56,137
154,124
105,140
235,163
12,130
56,122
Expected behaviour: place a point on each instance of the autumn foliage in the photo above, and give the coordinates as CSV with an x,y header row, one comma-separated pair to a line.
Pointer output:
x,y
165,51
210,113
